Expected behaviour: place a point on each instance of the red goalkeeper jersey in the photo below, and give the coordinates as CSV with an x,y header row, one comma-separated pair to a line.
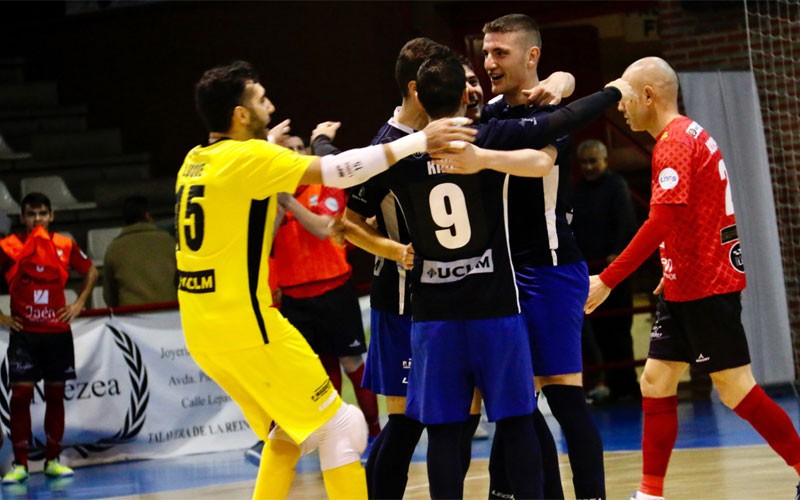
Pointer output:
x,y
701,255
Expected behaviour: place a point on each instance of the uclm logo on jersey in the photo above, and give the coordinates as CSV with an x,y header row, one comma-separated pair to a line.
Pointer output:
x,y
41,297
447,272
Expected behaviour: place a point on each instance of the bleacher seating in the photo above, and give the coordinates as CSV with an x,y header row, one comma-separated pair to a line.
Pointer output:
x,y
7,202
97,301
85,144
28,95
56,189
48,146
97,241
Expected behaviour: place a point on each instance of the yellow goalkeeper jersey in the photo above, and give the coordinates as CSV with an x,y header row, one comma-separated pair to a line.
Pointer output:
x,y
225,215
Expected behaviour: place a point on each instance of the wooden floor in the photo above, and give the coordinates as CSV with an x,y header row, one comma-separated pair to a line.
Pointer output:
x,y
734,473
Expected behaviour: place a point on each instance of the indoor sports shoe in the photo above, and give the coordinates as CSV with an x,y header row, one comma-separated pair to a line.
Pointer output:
x,y
638,495
253,454
481,432
53,468
16,475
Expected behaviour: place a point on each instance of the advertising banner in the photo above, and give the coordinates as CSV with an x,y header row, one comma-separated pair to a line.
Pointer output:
x,y
138,394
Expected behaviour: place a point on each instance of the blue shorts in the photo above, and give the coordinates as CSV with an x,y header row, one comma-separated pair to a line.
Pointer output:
x,y
452,357
389,355
552,299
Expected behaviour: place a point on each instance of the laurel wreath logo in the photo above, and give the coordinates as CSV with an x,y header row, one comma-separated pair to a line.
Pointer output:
x,y
134,419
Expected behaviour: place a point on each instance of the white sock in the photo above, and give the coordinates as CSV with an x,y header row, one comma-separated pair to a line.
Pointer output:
x,y
644,496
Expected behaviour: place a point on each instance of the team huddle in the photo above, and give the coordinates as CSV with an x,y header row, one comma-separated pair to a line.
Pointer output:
x,y
479,289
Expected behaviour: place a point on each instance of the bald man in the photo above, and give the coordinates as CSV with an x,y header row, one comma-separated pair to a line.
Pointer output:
x,y
698,320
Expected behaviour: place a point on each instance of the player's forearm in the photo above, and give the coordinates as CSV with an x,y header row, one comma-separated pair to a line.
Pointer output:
x,y
87,285
353,167
364,236
316,224
652,233
322,145
579,113
521,163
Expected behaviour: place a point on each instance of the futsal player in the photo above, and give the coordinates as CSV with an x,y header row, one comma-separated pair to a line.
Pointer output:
x,y
698,321
226,195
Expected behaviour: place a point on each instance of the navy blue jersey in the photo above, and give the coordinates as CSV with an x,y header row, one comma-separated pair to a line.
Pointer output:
x,y
544,239
457,225
539,208
390,291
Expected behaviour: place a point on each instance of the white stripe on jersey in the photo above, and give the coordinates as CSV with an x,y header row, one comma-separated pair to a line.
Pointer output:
x,y
508,240
550,191
389,210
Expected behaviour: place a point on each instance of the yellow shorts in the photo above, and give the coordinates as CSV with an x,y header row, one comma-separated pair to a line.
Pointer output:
x,y
282,381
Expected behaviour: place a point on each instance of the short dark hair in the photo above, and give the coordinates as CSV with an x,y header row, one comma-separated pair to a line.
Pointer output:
x,y
464,60
441,82
220,90
135,209
515,22
35,199
411,56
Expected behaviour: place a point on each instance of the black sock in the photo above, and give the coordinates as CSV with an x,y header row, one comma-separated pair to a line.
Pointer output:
x,y
369,467
499,486
584,444
389,473
523,458
550,467
445,472
466,440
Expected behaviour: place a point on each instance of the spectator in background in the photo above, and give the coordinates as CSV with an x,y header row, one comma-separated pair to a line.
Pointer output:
x,y
5,224
36,266
296,144
139,264
604,223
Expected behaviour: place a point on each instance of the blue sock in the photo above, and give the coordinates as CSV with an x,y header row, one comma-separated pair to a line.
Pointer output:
x,y
584,444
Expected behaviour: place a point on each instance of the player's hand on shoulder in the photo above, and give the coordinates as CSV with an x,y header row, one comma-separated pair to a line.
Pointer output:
x,y
624,87
328,129
448,133
466,160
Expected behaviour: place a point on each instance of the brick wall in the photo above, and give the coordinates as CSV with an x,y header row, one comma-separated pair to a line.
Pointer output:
x,y
715,36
